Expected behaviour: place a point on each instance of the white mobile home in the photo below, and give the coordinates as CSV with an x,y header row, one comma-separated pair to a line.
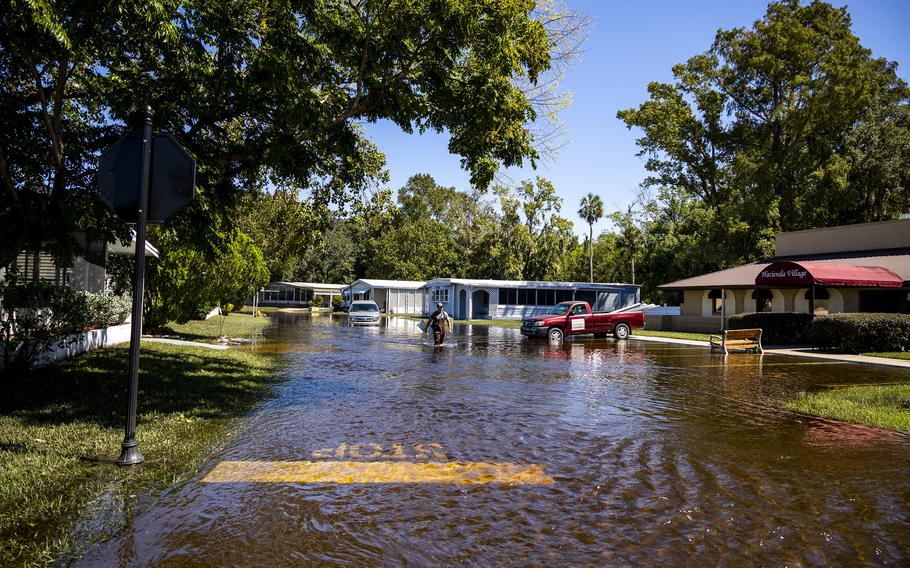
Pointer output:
x,y
392,296
516,299
298,294
88,270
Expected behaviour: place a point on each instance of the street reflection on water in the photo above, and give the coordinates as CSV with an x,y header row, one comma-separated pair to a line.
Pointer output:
x,y
659,454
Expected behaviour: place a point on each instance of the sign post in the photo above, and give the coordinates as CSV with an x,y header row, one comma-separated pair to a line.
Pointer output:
x,y
143,179
129,452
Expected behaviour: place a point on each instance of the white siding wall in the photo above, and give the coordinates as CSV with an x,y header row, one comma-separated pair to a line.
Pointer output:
x,y
405,301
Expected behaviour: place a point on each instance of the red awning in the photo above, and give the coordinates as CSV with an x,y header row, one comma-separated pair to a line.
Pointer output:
x,y
786,273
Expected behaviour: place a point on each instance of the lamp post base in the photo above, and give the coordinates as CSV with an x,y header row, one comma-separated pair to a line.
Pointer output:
x,y
129,454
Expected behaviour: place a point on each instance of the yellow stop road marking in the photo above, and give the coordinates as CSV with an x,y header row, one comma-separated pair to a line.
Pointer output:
x,y
460,473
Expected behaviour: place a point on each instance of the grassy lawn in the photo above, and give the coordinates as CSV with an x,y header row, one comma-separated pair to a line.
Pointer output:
x,y
263,309
235,325
891,355
514,324
885,406
61,429
673,334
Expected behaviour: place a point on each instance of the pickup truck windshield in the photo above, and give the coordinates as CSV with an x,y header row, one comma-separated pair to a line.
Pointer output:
x,y
561,309
364,308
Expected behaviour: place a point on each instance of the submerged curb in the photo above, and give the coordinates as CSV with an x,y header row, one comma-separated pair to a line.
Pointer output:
x,y
795,352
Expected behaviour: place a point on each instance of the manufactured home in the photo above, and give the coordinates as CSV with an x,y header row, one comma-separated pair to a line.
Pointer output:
x,y
392,296
469,299
298,294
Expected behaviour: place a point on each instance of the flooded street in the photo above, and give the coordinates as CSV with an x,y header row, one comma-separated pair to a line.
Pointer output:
x,y
632,453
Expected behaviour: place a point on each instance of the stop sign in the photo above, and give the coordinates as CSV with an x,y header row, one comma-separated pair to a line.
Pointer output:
x,y
173,177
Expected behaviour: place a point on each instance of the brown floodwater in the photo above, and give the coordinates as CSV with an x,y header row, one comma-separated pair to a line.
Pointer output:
x,y
655,454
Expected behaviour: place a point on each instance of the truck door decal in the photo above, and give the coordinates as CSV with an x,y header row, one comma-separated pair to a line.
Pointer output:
x,y
578,324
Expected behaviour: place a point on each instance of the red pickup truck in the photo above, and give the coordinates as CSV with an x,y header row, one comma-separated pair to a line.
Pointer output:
x,y
576,318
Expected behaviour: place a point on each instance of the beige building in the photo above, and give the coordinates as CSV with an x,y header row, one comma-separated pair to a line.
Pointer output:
x,y
851,268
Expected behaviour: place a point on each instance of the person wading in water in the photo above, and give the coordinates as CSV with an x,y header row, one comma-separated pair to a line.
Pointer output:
x,y
440,322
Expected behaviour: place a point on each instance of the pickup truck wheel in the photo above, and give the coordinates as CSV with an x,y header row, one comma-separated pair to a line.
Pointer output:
x,y
622,331
556,335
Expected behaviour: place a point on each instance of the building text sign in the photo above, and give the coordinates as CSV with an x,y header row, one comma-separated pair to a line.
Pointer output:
x,y
784,274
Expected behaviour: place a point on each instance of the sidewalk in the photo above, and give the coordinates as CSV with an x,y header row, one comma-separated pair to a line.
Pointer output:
x,y
216,346
795,352
691,342
861,359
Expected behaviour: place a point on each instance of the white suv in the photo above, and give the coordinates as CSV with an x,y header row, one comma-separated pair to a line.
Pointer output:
x,y
363,312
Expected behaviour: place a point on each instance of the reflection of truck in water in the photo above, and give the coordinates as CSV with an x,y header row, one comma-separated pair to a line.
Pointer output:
x,y
577,318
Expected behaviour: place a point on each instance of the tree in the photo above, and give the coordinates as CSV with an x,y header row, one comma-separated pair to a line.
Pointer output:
x,y
186,282
534,239
414,250
788,125
331,259
592,209
260,93
283,227
567,32
629,235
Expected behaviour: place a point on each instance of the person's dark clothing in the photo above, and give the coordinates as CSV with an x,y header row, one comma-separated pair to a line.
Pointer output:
x,y
439,321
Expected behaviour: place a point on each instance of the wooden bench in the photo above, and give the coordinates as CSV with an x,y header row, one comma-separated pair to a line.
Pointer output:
x,y
749,339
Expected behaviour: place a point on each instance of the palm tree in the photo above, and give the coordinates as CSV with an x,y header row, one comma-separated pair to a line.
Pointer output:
x,y
592,209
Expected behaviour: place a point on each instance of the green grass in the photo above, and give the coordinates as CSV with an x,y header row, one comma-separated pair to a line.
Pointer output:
x,y
885,406
263,309
673,334
513,324
235,325
61,428
891,354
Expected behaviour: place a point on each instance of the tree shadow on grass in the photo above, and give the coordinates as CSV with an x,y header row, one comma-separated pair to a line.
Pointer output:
x,y
93,387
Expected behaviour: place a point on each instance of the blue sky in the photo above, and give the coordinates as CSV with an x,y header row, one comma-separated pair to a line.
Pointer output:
x,y
630,44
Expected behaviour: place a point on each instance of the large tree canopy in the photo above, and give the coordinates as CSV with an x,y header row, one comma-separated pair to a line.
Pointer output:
x,y
259,91
789,125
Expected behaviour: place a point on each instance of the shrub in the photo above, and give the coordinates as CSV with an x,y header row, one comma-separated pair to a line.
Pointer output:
x,y
37,316
778,328
337,304
105,309
857,333
317,302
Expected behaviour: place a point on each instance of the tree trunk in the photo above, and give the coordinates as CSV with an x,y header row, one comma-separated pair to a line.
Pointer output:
x,y
591,250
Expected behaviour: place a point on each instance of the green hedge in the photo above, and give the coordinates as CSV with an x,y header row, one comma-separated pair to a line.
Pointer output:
x,y
37,315
778,328
858,333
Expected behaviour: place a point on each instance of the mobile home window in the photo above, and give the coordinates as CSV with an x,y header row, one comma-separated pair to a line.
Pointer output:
x,y
508,296
522,297
440,295
563,296
546,297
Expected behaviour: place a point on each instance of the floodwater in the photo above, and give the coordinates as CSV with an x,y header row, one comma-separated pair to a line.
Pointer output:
x,y
644,454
